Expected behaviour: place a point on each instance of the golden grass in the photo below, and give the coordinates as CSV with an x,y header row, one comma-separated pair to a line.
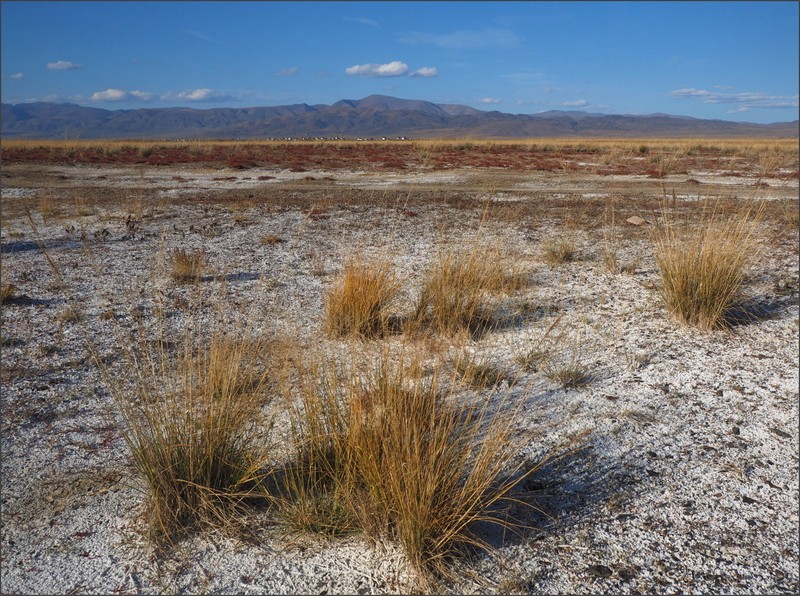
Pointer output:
x,y
7,292
191,419
358,302
187,266
559,251
746,147
397,457
456,285
702,266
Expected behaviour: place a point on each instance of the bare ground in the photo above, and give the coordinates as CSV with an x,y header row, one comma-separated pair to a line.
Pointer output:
x,y
678,467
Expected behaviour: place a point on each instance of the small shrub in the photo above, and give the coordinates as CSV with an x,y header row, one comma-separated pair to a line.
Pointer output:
x,y
187,266
358,302
610,240
47,209
702,267
532,359
611,260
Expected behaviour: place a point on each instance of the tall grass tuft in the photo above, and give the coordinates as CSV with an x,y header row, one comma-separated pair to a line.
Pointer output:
x,y
397,457
7,292
702,266
190,416
455,288
311,490
187,266
358,302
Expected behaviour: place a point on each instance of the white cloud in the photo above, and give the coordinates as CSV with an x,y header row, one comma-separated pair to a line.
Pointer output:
x,y
464,39
488,100
363,21
288,72
526,102
745,100
392,69
200,95
578,103
425,71
121,95
16,76
63,65
201,36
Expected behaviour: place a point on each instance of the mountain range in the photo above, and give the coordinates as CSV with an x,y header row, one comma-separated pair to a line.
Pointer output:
x,y
375,116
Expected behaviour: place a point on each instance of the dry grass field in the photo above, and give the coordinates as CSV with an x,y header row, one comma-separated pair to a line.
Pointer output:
x,y
456,366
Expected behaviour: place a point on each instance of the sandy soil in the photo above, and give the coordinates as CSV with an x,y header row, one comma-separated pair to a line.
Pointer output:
x,y
679,467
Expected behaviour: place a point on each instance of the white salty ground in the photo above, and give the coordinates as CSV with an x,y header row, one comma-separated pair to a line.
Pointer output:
x,y
684,476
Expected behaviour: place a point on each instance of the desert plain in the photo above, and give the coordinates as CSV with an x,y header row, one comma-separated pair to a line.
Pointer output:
x,y
667,464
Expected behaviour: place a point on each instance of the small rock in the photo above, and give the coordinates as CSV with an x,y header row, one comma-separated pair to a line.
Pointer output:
x,y
635,220
627,574
781,433
599,571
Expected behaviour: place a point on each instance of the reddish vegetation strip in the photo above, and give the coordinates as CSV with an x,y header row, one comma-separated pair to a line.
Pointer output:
x,y
301,157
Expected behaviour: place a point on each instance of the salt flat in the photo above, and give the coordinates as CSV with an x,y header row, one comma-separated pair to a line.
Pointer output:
x,y
677,467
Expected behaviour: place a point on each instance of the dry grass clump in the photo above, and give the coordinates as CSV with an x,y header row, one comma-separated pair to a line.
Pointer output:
x,y
478,372
556,252
394,456
271,239
454,289
569,374
358,303
702,266
71,314
7,292
190,417
187,266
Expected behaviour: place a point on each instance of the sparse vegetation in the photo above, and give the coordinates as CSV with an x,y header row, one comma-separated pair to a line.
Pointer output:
x,y
71,314
399,414
271,239
570,373
479,372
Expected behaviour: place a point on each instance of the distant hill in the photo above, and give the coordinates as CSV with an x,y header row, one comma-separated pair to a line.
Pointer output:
x,y
374,116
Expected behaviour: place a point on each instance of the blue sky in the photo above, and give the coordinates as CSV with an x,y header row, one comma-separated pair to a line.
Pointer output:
x,y
727,60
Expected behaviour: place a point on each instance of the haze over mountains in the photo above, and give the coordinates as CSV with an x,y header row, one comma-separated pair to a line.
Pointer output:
x,y
375,116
